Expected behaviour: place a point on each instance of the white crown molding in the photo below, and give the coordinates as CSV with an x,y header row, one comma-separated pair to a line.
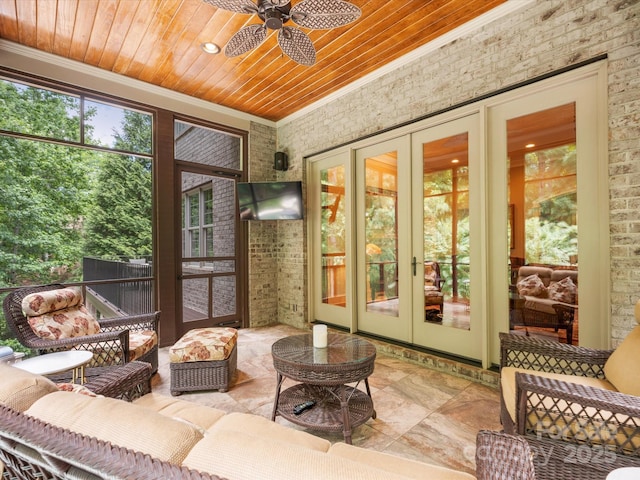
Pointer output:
x,y
492,15
116,78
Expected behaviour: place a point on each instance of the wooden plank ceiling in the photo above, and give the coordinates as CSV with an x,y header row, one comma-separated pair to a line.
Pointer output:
x,y
158,41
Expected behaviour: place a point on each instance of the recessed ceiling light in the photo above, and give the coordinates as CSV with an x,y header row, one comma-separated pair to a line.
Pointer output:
x,y
210,47
530,145
455,160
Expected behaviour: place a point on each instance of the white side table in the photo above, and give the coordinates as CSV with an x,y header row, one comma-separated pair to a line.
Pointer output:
x,y
13,358
58,362
626,473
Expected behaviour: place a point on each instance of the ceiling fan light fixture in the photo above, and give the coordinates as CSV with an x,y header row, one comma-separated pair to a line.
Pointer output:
x,y
273,19
312,14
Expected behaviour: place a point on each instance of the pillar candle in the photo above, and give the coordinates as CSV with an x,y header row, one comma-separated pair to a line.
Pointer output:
x,y
320,336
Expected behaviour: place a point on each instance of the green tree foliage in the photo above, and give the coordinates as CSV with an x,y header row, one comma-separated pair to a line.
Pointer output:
x,y
44,188
550,243
119,222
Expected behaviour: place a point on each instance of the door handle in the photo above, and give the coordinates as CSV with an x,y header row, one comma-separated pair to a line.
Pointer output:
x,y
414,263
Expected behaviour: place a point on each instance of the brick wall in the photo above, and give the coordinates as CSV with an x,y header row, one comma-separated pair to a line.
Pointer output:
x,y
263,236
542,37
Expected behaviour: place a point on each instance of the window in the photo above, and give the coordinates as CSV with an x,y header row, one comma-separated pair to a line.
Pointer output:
x,y
198,232
77,190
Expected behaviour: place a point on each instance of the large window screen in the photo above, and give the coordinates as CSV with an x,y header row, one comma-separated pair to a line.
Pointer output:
x,y
76,199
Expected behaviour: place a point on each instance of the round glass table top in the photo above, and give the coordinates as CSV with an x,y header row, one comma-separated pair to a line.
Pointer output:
x,y
341,350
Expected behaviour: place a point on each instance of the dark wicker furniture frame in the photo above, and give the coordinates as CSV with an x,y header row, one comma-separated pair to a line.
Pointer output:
x,y
561,320
604,417
112,341
205,375
60,449
339,407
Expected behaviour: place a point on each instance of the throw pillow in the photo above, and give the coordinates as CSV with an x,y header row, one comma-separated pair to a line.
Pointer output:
x,y
532,286
563,291
76,388
19,388
51,300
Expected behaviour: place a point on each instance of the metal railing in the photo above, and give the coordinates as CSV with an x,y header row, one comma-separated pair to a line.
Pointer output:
x,y
122,287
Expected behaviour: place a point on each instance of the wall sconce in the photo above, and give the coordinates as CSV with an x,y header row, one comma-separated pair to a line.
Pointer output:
x,y
281,161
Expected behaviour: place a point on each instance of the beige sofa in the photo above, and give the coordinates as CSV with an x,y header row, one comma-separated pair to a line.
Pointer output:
x,y
550,297
171,438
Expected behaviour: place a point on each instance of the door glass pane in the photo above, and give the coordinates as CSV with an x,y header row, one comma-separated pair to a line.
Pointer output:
x,y
333,234
543,223
381,233
446,231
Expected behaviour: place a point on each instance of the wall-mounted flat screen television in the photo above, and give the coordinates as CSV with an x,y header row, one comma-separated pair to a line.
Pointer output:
x,y
270,200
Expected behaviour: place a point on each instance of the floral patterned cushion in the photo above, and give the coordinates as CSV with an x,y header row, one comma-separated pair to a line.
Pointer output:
x,y
66,323
204,344
76,388
39,303
532,286
141,342
563,291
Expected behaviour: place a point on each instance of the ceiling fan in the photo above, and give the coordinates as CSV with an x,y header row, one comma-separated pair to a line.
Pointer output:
x,y
314,14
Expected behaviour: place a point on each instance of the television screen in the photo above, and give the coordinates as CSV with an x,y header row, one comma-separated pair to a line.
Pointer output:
x,y
270,200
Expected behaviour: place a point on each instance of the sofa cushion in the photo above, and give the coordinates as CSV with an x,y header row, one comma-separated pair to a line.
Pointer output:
x,y
622,368
563,291
68,322
394,464
121,423
264,428
200,416
532,285
48,301
244,456
19,388
204,344
141,342
552,418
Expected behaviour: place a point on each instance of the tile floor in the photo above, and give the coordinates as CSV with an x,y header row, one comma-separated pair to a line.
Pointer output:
x,y
422,413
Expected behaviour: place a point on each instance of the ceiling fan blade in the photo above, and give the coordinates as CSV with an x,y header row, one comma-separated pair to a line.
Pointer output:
x,y
297,45
324,14
247,38
238,6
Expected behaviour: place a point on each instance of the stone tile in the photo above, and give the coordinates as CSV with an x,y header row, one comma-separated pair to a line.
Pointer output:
x,y
423,412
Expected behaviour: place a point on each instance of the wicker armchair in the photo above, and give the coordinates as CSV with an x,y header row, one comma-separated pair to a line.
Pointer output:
x,y
110,345
579,403
500,456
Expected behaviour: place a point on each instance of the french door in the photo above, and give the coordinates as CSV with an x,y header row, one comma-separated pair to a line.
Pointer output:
x,y
426,228
448,314
329,198
416,197
383,239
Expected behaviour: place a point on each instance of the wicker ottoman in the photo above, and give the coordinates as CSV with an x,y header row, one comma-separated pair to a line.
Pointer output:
x,y
203,359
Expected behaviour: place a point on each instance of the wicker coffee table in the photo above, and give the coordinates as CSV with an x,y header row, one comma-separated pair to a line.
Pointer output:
x,y
323,376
